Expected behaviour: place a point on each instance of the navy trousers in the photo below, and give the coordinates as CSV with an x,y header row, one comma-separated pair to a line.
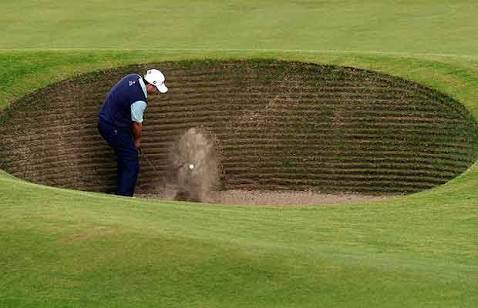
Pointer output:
x,y
127,156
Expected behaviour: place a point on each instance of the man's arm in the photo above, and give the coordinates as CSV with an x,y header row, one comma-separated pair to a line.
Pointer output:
x,y
137,110
137,129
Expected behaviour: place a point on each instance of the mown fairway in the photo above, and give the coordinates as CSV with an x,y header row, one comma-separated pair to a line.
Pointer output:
x,y
75,249
375,25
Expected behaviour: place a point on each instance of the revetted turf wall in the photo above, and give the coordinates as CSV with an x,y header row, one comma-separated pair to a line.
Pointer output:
x,y
278,125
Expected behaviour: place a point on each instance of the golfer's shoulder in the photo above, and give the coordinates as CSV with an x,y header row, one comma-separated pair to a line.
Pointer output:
x,y
130,79
132,76
131,83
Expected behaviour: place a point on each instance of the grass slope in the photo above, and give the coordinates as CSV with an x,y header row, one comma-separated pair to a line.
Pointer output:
x,y
80,249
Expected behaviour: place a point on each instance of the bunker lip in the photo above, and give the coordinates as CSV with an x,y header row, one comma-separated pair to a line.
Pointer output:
x,y
278,126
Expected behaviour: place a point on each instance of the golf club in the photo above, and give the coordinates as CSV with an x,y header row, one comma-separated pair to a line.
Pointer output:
x,y
143,154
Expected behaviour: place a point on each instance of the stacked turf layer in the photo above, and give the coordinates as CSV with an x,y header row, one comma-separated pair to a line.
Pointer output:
x,y
277,125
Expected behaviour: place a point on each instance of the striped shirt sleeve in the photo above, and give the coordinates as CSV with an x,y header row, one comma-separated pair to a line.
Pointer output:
x,y
137,111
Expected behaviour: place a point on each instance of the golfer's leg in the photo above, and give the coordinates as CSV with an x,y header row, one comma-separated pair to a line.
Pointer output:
x,y
126,156
128,169
108,132
120,167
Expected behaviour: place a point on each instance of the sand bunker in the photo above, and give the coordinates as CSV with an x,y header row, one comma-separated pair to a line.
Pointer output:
x,y
194,177
281,126
275,198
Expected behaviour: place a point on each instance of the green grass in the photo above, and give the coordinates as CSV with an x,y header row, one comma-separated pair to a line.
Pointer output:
x,y
75,249
424,26
68,248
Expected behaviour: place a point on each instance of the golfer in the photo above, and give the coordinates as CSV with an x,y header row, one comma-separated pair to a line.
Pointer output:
x,y
120,123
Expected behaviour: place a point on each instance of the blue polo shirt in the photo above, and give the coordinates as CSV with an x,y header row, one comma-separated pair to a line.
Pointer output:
x,y
126,102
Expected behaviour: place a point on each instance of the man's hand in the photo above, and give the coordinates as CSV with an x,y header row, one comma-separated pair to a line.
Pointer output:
x,y
137,129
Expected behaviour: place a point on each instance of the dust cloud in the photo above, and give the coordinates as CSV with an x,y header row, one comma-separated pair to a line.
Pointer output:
x,y
194,166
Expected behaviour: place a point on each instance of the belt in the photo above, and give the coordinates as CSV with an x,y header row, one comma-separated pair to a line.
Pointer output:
x,y
123,129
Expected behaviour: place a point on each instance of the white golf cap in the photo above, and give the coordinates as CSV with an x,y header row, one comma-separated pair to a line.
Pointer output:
x,y
156,78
